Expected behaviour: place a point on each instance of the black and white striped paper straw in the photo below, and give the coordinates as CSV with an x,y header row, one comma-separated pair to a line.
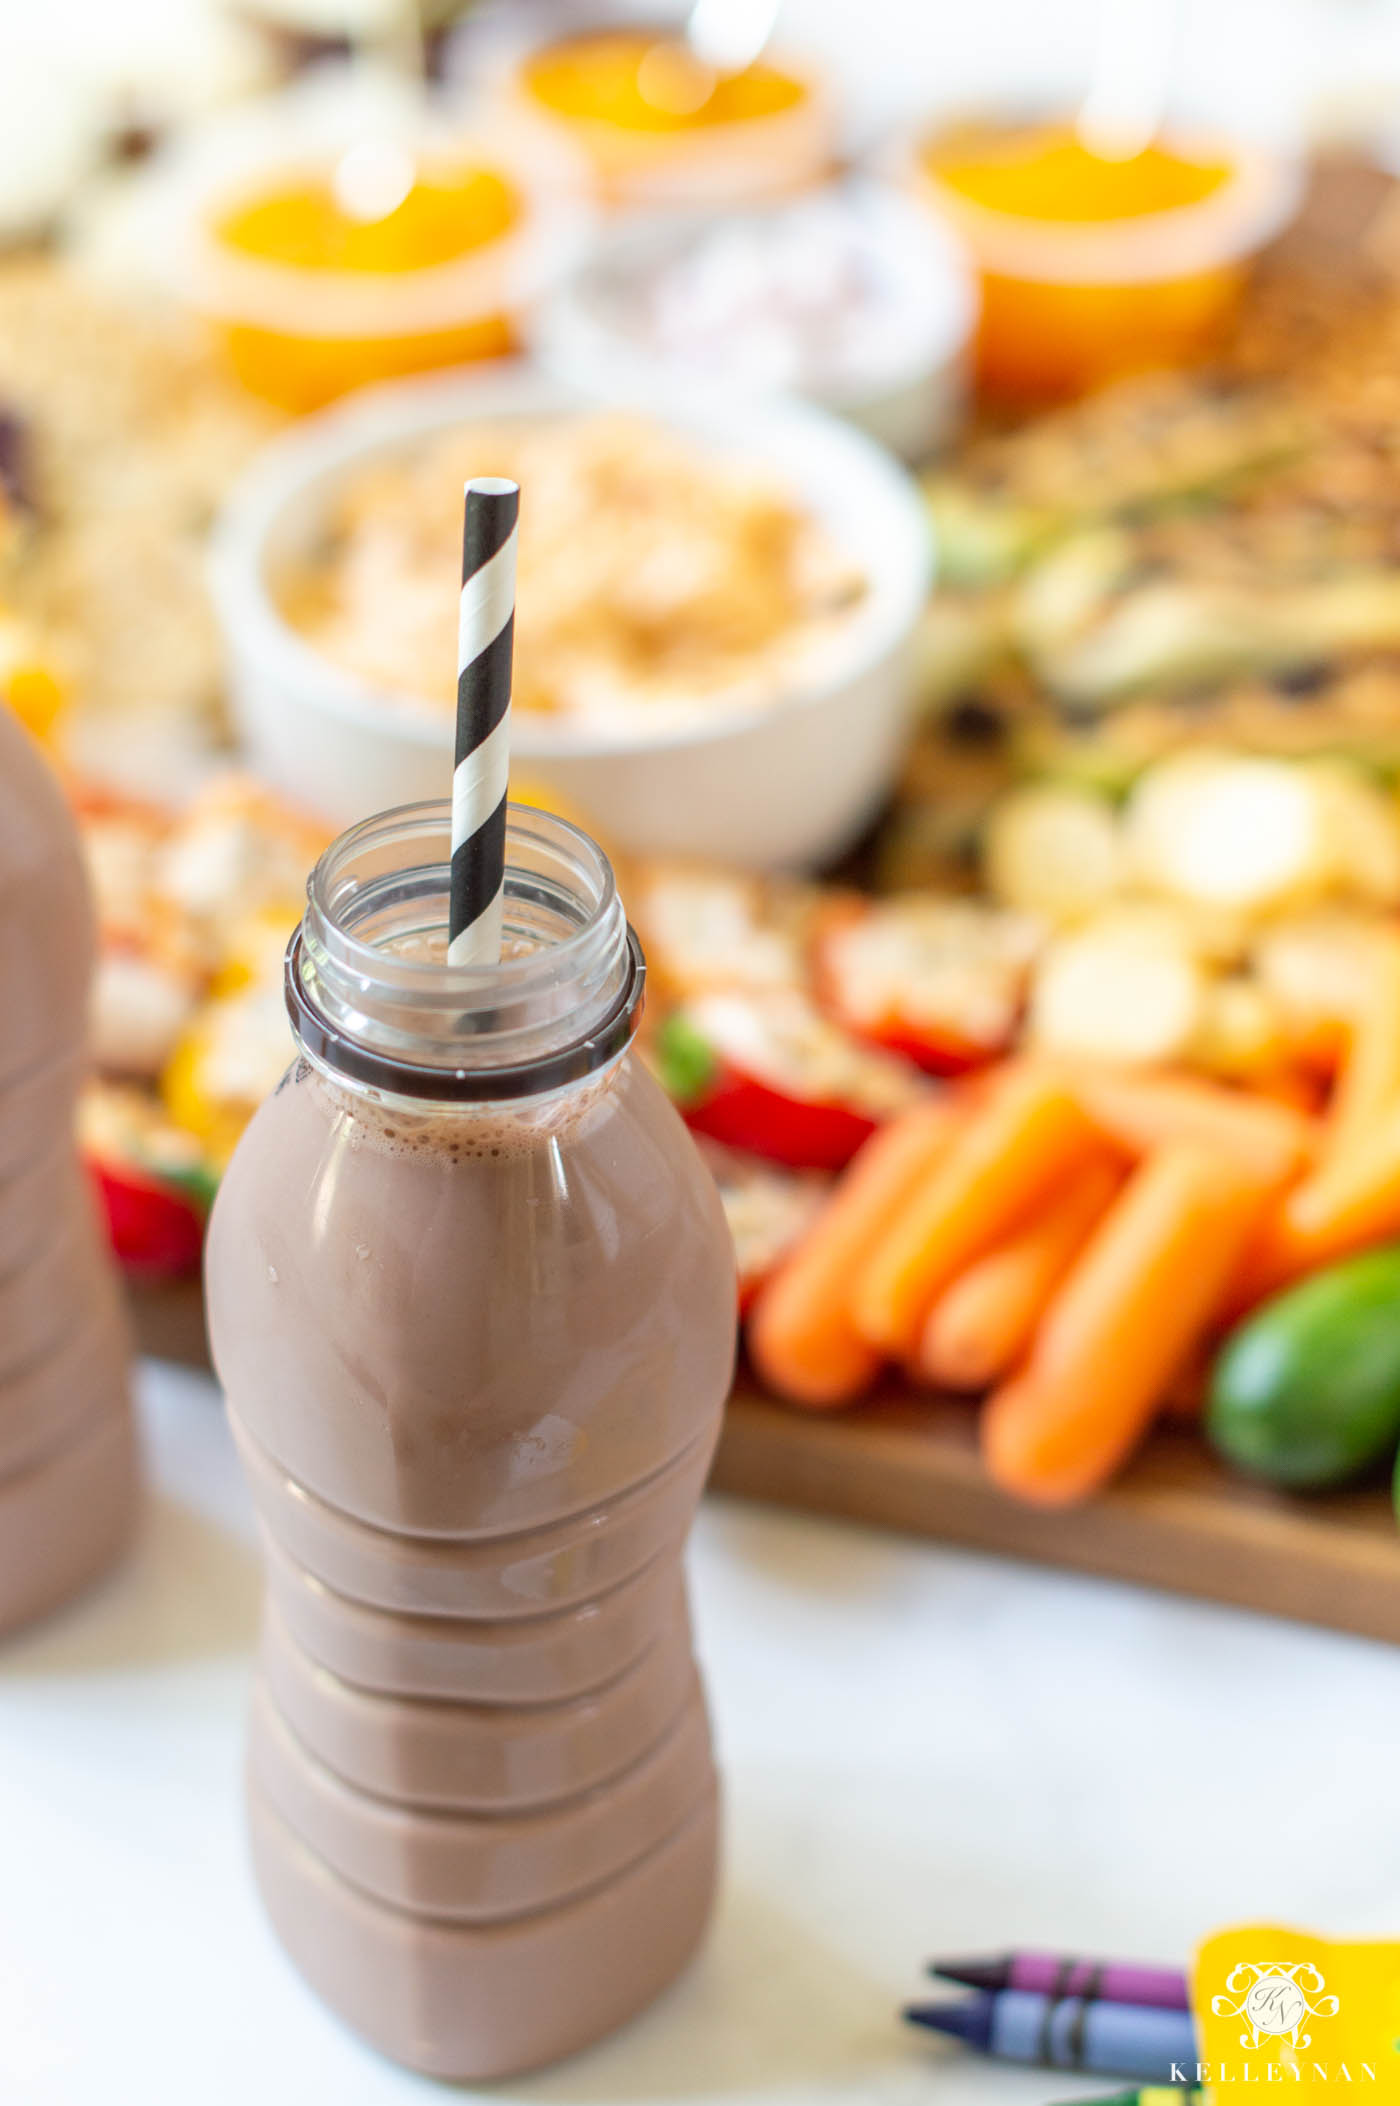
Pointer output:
x,y
485,638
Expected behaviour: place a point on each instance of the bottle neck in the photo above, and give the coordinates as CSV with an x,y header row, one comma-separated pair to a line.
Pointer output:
x,y
374,1002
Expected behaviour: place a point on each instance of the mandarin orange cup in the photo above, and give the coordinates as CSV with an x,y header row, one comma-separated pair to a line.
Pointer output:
x,y
656,131
311,302
1092,268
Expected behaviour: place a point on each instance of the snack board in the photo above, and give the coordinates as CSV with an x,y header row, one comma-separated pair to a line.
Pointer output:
x,y
827,977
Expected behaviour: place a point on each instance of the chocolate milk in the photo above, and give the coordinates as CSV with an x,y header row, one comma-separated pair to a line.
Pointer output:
x,y
471,1297
67,1452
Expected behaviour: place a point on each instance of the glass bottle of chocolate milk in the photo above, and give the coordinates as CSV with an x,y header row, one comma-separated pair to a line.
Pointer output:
x,y
68,1470
471,1297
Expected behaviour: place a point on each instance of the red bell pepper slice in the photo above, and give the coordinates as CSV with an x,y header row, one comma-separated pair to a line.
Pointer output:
x,y
153,1180
942,983
806,1136
771,1076
156,1229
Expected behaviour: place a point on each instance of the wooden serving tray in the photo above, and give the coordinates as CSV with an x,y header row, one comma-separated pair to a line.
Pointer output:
x,y
1175,1519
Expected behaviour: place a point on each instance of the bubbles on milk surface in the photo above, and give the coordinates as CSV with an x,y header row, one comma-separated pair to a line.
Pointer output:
x,y
463,1133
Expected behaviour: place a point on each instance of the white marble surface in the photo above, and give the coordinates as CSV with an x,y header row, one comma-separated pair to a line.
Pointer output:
x,y
923,1751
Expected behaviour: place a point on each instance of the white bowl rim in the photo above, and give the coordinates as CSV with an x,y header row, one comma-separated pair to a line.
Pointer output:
x,y
397,412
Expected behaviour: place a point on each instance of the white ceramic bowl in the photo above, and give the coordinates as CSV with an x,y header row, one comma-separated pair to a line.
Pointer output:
x,y
906,389
786,785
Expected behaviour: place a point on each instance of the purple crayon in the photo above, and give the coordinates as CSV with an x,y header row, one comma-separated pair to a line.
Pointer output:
x,y
1058,1974
1068,2032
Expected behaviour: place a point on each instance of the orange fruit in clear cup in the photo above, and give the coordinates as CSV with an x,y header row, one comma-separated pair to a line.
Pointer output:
x,y
301,374
1093,267
656,126
645,82
313,294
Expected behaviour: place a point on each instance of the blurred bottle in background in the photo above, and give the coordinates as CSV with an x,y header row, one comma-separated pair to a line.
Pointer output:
x,y
67,1448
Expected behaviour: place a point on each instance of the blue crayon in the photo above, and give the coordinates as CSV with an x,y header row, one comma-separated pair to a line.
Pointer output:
x,y
1069,2032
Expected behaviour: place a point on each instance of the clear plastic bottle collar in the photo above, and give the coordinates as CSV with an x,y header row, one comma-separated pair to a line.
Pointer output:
x,y
372,997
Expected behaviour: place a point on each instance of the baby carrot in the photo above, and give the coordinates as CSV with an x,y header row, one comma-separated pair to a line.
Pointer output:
x,y
1012,1149
1126,1320
1144,1112
800,1334
1352,1198
1351,1201
1369,1082
981,1324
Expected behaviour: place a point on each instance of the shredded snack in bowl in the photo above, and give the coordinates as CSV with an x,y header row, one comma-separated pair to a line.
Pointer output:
x,y
652,578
